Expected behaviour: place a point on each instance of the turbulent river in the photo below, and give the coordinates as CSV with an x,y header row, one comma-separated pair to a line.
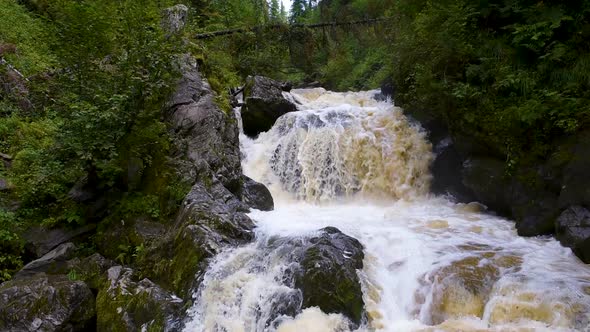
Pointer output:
x,y
349,161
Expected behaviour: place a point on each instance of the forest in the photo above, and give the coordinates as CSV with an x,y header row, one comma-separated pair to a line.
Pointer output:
x,y
83,84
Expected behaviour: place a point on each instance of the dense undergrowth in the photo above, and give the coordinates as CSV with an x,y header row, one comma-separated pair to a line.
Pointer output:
x,y
84,83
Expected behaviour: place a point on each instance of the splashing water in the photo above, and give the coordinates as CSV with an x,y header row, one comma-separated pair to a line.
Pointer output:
x,y
348,161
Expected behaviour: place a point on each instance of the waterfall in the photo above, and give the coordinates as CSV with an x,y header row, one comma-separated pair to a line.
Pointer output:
x,y
348,161
340,145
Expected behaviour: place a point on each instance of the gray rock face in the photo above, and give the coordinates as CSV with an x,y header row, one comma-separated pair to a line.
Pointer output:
x,y
256,195
216,210
46,303
40,240
54,262
128,305
205,137
264,103
572,229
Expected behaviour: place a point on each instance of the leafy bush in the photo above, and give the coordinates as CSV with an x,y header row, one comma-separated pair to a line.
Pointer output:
x,y
11,245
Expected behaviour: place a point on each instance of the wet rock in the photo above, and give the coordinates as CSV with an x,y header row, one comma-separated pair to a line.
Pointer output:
x,y
256,195
46,303
576,182
446,172
54,262
388,88
39,240
572,229
264,103
485,177
125,304
534,210
205,137
328,277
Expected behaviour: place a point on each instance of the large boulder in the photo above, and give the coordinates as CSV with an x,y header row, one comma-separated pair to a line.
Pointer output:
x,y
46,303
211,219
39,240
256,195
264,103
328,276
125,304
572,229
318,270
54,262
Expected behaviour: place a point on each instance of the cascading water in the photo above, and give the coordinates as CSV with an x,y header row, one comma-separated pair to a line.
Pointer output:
x,y
348,161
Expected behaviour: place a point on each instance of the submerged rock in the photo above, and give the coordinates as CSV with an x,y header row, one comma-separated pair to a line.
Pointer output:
x,y
46,303
256,195
572,229
128,305
264,103
463,287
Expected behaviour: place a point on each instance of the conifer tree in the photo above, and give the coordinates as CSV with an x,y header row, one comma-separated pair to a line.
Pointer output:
x,y
297,10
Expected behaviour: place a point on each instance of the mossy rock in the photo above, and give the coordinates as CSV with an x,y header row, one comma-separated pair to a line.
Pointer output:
x,y
46,303
210,220
124,304
328,276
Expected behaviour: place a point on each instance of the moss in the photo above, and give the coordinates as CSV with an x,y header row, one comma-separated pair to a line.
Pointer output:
x,y
107,318
140,308
178,269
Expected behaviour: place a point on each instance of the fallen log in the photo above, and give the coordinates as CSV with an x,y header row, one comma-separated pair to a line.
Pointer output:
x,y
218,33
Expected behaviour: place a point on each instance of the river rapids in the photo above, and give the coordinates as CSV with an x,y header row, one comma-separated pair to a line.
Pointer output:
x,y
348,161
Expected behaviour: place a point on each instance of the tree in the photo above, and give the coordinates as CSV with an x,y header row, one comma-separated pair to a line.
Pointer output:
x,y
275,11
283,13
297,10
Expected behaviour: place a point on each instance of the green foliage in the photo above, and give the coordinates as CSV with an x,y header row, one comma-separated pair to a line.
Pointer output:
x,y
100,112
508,76
29,35
11,245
